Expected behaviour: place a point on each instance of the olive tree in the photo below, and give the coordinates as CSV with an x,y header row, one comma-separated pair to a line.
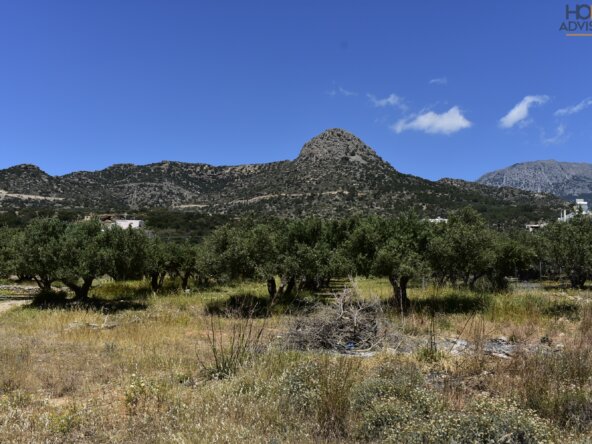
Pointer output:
x,y
7,251
309,253
264,255
401,255
511,256
568,248
463,248
233,251
363,242
128,252
85,254
38,250
157,262
243,251
188,260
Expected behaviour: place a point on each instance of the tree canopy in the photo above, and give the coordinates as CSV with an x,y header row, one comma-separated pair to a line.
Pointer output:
x,y
304,253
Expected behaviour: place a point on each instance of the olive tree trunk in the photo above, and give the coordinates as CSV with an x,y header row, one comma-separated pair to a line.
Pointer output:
x,y
271,287
43,283
81,291
156,281
185,280
400,299
578,279
287,286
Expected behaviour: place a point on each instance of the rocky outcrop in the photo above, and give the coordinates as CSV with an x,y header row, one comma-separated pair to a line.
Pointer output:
x,y
565,179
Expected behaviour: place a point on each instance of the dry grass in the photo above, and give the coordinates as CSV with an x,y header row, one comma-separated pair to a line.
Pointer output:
x,y
135,375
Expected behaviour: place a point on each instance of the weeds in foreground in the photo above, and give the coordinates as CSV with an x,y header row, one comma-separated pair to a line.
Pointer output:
x,y
336,379
556,386
285,396
556,383
230,352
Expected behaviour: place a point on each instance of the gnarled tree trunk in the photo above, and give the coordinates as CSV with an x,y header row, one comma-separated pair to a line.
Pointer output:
x,y
271,287
578,279
185,280
287,286
473,281
156,281
43,283
400,299
81,291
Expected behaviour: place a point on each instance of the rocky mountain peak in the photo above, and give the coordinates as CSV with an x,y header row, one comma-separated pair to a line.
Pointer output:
x,y
336,144
335,175
565,179
26,168
26,179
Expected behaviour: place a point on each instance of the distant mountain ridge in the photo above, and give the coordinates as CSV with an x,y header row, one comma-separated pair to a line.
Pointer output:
x,y
335,174
568,180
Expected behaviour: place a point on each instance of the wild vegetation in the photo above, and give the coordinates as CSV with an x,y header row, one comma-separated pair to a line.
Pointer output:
x,y
355,330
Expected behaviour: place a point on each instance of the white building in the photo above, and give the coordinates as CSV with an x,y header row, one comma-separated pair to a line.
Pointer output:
x,y
535,227
116,220
581,207
129,223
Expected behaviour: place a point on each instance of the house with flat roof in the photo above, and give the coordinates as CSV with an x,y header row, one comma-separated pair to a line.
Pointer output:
x,y
581,207
112,220
129,223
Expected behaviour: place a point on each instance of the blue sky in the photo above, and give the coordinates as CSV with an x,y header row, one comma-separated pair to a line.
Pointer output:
x,y
430,85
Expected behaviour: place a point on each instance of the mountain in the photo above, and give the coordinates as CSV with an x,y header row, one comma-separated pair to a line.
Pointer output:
x,y
565,179
335,174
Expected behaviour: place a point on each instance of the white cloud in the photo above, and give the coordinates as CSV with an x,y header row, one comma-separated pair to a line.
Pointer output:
x,y
347,93
574,109
342,91
392,100
559,136
520,111
430,122
439,81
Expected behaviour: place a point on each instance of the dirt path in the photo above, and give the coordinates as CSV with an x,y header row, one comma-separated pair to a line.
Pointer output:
x,y
14,295
7,304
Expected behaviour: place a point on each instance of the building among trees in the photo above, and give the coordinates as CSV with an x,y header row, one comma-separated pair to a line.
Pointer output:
x,y
121,221
581,207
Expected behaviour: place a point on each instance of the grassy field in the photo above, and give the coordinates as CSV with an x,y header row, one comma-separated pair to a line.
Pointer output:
x,y
143,368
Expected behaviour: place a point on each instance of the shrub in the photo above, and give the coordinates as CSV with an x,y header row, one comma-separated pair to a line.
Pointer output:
x,y
567,309
320,388
556,386
64,421
240,305
392,377
393,393
49,298
299,386
395,409
485,420
384,404
138,393
393,404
